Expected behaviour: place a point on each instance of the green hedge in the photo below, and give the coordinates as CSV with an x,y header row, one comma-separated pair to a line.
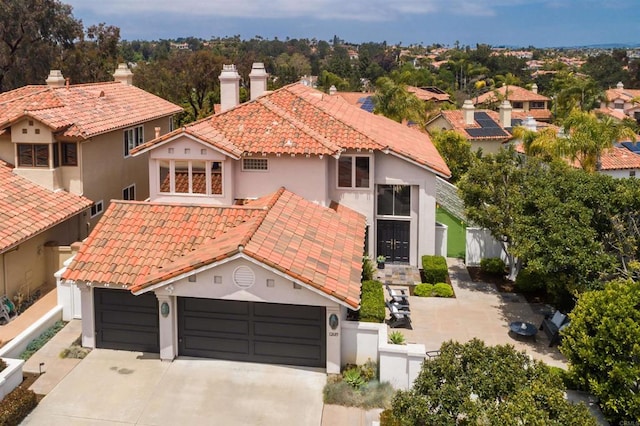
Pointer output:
x,y
442,290
16,406
493,265
434,269
530,282
372,303
423,290
41,340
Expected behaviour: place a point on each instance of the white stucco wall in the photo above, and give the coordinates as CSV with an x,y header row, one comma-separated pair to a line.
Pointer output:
x,y
621,174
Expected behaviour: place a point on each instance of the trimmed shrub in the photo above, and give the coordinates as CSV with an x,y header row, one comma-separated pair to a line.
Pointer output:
x,y
529,282
16,406
442,290
372,304
434,268
493,266
368,269
41,340
423,290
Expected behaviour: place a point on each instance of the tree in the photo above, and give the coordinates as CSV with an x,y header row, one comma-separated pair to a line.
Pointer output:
x,y
573,91
395,102
33,33
95,55
455,149
473,384
606,70
602,344
492,192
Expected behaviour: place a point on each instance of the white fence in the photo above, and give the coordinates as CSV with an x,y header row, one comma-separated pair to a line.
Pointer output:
x,y
398,364
481,245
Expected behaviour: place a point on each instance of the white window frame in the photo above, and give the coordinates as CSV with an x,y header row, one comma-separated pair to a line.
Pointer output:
x,y
132,138
353,172
97,208
172,173
254,161
127,191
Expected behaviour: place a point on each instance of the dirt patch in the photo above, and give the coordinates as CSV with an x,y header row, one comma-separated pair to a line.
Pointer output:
x,y
504,285
27,380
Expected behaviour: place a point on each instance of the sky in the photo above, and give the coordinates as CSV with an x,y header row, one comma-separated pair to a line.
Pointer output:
x,y
539,23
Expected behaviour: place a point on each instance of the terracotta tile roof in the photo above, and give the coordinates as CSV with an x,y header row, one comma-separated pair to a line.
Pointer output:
x,y
612,112
456,119
538,114
354,98
427,95
139,244
300,120
516,94
85,110
619,158
622,94
26,209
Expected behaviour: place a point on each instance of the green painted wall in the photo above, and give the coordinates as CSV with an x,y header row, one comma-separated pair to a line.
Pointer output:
x,y
456,233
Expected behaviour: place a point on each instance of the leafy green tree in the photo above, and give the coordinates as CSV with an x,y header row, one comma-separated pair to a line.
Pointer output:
x,y
95,55
474,384
395,102
33,33
606,70
602,344
573,91
455,149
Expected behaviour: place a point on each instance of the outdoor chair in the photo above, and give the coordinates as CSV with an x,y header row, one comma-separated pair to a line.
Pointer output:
x,y
398,296
552,325
400,315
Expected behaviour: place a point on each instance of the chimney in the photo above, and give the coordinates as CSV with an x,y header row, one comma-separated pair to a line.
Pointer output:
x,y
55,79
619,86
333,90
534,88
123,74
229,87
258,77
529,123
468,111
505,114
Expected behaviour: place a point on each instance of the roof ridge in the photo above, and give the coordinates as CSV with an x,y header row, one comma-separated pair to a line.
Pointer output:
x,y
265,102
28,95
251,232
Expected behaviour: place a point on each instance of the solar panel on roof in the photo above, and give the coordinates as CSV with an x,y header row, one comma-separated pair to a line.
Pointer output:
x,y
483,119
367,105
632,146
486,132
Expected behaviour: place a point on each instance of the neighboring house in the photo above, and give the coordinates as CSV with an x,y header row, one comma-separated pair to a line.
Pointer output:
x,y
224,262
486,130
78,138
33,222
621,103
430,94
524,102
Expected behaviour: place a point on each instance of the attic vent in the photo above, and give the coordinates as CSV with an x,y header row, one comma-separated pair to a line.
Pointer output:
x,y
243,277
101,94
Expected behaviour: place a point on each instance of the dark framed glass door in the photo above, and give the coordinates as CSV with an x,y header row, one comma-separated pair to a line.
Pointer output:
x,y
393,240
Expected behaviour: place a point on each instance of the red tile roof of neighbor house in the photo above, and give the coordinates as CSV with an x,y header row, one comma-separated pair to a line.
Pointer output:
x,y
616,158
26,209
427,95
455,118
516,94
623,94
84,110
136,245
298,120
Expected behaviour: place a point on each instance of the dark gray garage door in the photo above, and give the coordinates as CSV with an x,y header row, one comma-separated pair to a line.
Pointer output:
x,y
249,331
125,321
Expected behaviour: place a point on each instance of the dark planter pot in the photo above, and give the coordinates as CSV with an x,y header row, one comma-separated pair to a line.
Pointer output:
x,y
380,265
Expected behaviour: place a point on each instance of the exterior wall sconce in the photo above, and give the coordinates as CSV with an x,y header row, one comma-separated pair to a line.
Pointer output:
x,y
164,309
271,282
334,321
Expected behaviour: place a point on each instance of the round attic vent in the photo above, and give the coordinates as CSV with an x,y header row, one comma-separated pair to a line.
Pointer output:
x,y
243,277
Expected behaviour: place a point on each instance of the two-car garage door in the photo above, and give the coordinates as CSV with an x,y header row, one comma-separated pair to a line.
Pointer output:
x,y
211,328
252,331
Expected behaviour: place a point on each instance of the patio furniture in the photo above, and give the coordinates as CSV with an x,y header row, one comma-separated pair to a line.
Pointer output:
x,y
7,310
524,329
552,325
400,315
398,296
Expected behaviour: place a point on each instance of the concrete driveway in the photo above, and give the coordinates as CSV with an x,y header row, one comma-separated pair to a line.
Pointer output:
x,y
131,388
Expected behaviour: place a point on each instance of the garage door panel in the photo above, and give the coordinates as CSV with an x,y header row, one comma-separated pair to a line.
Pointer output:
x,y
290,331
125,321
252,331
213,325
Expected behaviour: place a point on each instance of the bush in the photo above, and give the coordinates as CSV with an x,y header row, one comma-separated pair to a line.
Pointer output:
x,y
601,344
372,303
353,378
423,290
368,269
396,337
16,406
442,290
529,282
434,269
471,378
3,364
492,265
41,340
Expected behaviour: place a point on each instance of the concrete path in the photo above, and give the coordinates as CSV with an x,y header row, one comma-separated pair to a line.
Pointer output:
x,y
131,388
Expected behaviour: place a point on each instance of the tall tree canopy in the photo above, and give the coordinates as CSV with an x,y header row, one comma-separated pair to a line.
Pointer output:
x,y
33,35
394,101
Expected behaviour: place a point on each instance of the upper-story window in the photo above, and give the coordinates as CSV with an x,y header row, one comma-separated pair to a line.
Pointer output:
x,y
517,105
65,154
394,200
33,155
190,177
618,105
536,105
129,193
252,164
354,171
132,138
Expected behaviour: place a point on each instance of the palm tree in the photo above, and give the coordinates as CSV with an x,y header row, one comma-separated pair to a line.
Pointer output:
x,y
394,101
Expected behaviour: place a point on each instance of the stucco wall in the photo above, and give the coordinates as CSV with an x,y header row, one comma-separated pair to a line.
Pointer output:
x,y
620,174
